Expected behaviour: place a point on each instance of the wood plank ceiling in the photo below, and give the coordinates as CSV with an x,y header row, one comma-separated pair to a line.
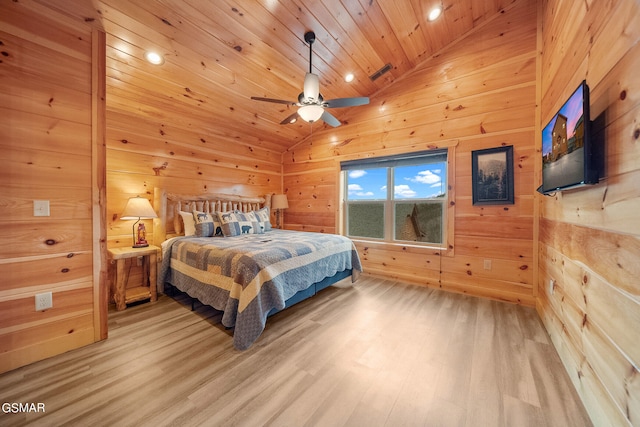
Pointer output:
x,y
220,53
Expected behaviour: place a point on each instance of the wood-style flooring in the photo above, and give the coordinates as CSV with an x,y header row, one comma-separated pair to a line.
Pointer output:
x,y
378,353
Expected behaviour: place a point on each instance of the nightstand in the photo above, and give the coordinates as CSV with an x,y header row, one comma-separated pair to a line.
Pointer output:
x,y
124,296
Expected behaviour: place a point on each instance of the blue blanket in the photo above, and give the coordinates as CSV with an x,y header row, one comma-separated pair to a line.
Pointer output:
x,y
247,276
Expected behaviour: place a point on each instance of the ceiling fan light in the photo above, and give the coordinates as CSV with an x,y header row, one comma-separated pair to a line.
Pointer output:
x,y
311,87
310,113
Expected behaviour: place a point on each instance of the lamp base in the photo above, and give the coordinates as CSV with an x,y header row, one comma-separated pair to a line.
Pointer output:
x,y
139,239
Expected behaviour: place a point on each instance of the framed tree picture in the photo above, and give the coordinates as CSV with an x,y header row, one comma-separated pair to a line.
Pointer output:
x,y
492,176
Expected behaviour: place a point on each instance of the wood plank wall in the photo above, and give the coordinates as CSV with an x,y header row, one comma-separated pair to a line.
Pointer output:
x,y
50,99
590,238
478,93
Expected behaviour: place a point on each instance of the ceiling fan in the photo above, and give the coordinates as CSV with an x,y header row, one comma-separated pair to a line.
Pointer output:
x,y
312,104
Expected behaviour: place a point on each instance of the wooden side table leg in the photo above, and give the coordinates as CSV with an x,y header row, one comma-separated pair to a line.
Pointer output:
x,y
113,277
119,296
145,270
153,286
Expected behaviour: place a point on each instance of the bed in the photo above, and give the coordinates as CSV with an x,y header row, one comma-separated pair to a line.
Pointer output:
x,y
253,271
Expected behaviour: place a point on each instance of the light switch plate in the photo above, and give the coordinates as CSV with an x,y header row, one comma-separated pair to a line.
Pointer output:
x,y
41,208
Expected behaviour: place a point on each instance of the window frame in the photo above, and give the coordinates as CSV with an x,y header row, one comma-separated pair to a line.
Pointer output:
x,y
448,205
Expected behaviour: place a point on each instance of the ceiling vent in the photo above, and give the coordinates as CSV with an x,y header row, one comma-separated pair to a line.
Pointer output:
x,y
375,76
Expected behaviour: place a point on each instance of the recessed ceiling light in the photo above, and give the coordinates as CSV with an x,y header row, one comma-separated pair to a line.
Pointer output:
x,y
349,78
154,58
435,13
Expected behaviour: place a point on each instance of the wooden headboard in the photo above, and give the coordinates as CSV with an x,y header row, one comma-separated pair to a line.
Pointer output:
x,y
168,224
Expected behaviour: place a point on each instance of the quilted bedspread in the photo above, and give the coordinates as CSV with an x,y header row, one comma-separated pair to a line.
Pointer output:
x,y
247,276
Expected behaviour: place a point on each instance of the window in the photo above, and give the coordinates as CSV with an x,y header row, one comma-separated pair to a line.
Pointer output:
x,y
399,198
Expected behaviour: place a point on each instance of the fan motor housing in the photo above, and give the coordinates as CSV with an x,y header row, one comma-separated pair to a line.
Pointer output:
x,y
310,37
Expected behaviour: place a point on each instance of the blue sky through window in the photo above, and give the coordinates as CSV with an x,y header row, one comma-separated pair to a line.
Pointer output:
x,y
411,182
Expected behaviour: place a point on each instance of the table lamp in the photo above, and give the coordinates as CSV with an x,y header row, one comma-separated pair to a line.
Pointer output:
x,y
138,208
278,203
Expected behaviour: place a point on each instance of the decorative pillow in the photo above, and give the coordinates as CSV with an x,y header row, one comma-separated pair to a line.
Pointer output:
x,y
189,223
264,217
236,223
207,225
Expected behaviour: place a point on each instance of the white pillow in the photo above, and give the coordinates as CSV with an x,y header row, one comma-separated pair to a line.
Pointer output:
x,y
189,223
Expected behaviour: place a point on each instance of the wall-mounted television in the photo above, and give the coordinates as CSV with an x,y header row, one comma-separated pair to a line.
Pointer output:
x,y
567,146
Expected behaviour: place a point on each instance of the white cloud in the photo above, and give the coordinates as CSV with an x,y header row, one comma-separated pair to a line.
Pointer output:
x,y
357,174
357,190
404,191
426,177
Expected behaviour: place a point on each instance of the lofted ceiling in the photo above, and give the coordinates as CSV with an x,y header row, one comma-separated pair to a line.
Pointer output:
x,y
219,53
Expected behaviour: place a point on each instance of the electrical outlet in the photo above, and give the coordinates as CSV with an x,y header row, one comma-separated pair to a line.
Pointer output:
x,y
44,301
487,264
552,284
41,208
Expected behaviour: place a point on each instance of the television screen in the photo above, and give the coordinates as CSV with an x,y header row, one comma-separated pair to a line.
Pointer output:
x,y
566,150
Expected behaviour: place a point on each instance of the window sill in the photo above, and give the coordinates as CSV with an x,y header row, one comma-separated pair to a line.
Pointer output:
x,y
408,246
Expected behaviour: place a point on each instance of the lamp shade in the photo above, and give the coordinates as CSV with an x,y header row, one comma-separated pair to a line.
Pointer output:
x,y
279,201
138,208
310,113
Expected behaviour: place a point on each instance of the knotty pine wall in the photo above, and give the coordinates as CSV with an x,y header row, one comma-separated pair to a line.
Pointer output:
x,y
184,157
51,148
478,93
163,150
590,238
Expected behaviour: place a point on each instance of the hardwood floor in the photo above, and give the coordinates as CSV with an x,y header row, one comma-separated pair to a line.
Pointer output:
x,y
379,353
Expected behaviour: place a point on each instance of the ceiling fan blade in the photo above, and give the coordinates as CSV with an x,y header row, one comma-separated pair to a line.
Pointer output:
x,y
330,119
345,102
291,119
277,101
311,87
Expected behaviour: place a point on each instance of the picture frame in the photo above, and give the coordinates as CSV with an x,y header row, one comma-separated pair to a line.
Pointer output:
x,y
492,176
